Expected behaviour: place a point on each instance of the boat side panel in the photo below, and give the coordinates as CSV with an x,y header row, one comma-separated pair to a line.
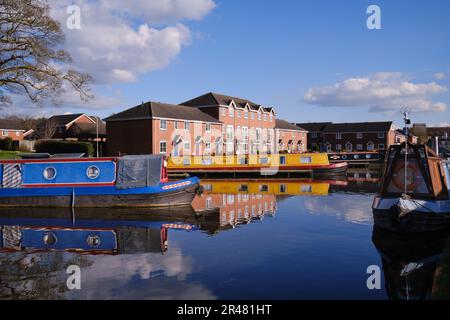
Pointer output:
x,y
174,197
68,173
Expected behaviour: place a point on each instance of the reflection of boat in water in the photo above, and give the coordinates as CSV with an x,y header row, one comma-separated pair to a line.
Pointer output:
x,y
411,264
276,187
93,231
415,195
92,182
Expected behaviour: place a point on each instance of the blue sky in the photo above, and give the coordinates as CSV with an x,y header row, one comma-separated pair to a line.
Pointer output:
x,y
275,52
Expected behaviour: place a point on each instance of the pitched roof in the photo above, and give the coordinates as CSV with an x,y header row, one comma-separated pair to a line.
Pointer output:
x,y
87,129
358,127
283,124
313,126
64,119
152,109
215,99
9,124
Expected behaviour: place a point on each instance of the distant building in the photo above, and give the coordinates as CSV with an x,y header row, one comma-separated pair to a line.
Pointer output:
x,y
211,124
11,129
433,136
72,126
160,128
350,137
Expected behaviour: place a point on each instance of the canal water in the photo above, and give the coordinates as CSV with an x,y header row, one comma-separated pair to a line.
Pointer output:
x,y
242,239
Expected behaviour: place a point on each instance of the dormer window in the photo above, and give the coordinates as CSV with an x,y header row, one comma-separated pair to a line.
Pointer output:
x,y
231,111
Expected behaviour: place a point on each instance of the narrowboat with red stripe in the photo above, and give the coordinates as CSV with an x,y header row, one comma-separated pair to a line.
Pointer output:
x,y
129,181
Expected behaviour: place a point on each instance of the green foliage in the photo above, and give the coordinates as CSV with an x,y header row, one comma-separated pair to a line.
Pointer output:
x,y
58,146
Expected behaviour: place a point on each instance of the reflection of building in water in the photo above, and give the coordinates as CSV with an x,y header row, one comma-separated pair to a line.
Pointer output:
x,y
233,209
411,263
231,202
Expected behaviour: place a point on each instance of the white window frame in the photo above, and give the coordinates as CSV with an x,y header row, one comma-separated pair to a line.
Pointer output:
x,y
359,135
372,144
161,126
338,136
187,126
338,147
381,146
208,127
175,125
359,147
188,144
165,145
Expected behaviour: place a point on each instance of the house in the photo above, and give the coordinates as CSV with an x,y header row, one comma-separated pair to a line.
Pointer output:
x,y
210,124
291,138
12,129
435,137
247,127
161,128
314,133
72,126
350,137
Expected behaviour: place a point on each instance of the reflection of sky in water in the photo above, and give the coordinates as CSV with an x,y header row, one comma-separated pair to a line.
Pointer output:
x,y
351,208
314,247
140,276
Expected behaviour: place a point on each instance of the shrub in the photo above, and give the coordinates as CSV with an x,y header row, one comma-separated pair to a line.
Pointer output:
x,y
59,146
6,144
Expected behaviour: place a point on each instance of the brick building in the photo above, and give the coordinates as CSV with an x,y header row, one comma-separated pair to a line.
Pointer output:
x,y
350,137
291,138
211,124
12,129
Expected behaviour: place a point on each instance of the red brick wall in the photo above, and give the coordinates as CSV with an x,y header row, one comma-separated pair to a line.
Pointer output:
x,y
16,135
195,129
295,136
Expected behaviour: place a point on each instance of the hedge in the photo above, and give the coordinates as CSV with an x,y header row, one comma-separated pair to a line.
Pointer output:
x,y
58,146
6,144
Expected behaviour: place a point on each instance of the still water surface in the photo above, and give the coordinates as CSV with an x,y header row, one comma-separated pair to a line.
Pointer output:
x,y
242,239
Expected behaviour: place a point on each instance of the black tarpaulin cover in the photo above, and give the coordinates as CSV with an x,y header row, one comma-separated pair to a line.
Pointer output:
x,y
139,171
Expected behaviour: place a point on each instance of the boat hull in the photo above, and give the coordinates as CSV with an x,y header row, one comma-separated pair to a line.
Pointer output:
x,y
427,217
182,196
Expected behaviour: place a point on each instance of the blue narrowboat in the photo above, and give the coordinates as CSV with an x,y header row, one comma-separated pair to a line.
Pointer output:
x,y
129,181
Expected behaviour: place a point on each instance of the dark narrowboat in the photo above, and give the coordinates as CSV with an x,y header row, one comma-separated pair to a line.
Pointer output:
x,y
415,192
129,181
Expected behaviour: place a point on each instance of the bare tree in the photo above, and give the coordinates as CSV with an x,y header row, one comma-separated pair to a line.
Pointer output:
x,y
47,129
32,62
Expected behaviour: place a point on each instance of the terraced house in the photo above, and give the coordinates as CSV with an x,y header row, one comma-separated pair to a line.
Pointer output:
x,y
351,137
211,124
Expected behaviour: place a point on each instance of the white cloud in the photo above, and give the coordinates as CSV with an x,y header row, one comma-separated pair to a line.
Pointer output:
x,y
439,75
118,40
381,92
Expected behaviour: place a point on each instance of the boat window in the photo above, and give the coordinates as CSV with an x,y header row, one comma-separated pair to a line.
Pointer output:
x,y
282,188
243,188
282,159
49,239
49,173
93,240
307,188
305,160
264,188
92,172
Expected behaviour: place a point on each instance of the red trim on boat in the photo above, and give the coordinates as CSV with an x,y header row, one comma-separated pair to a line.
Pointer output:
x,y
46,185
58,160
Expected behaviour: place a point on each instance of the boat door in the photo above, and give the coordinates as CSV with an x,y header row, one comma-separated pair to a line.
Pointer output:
x,y
11,174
